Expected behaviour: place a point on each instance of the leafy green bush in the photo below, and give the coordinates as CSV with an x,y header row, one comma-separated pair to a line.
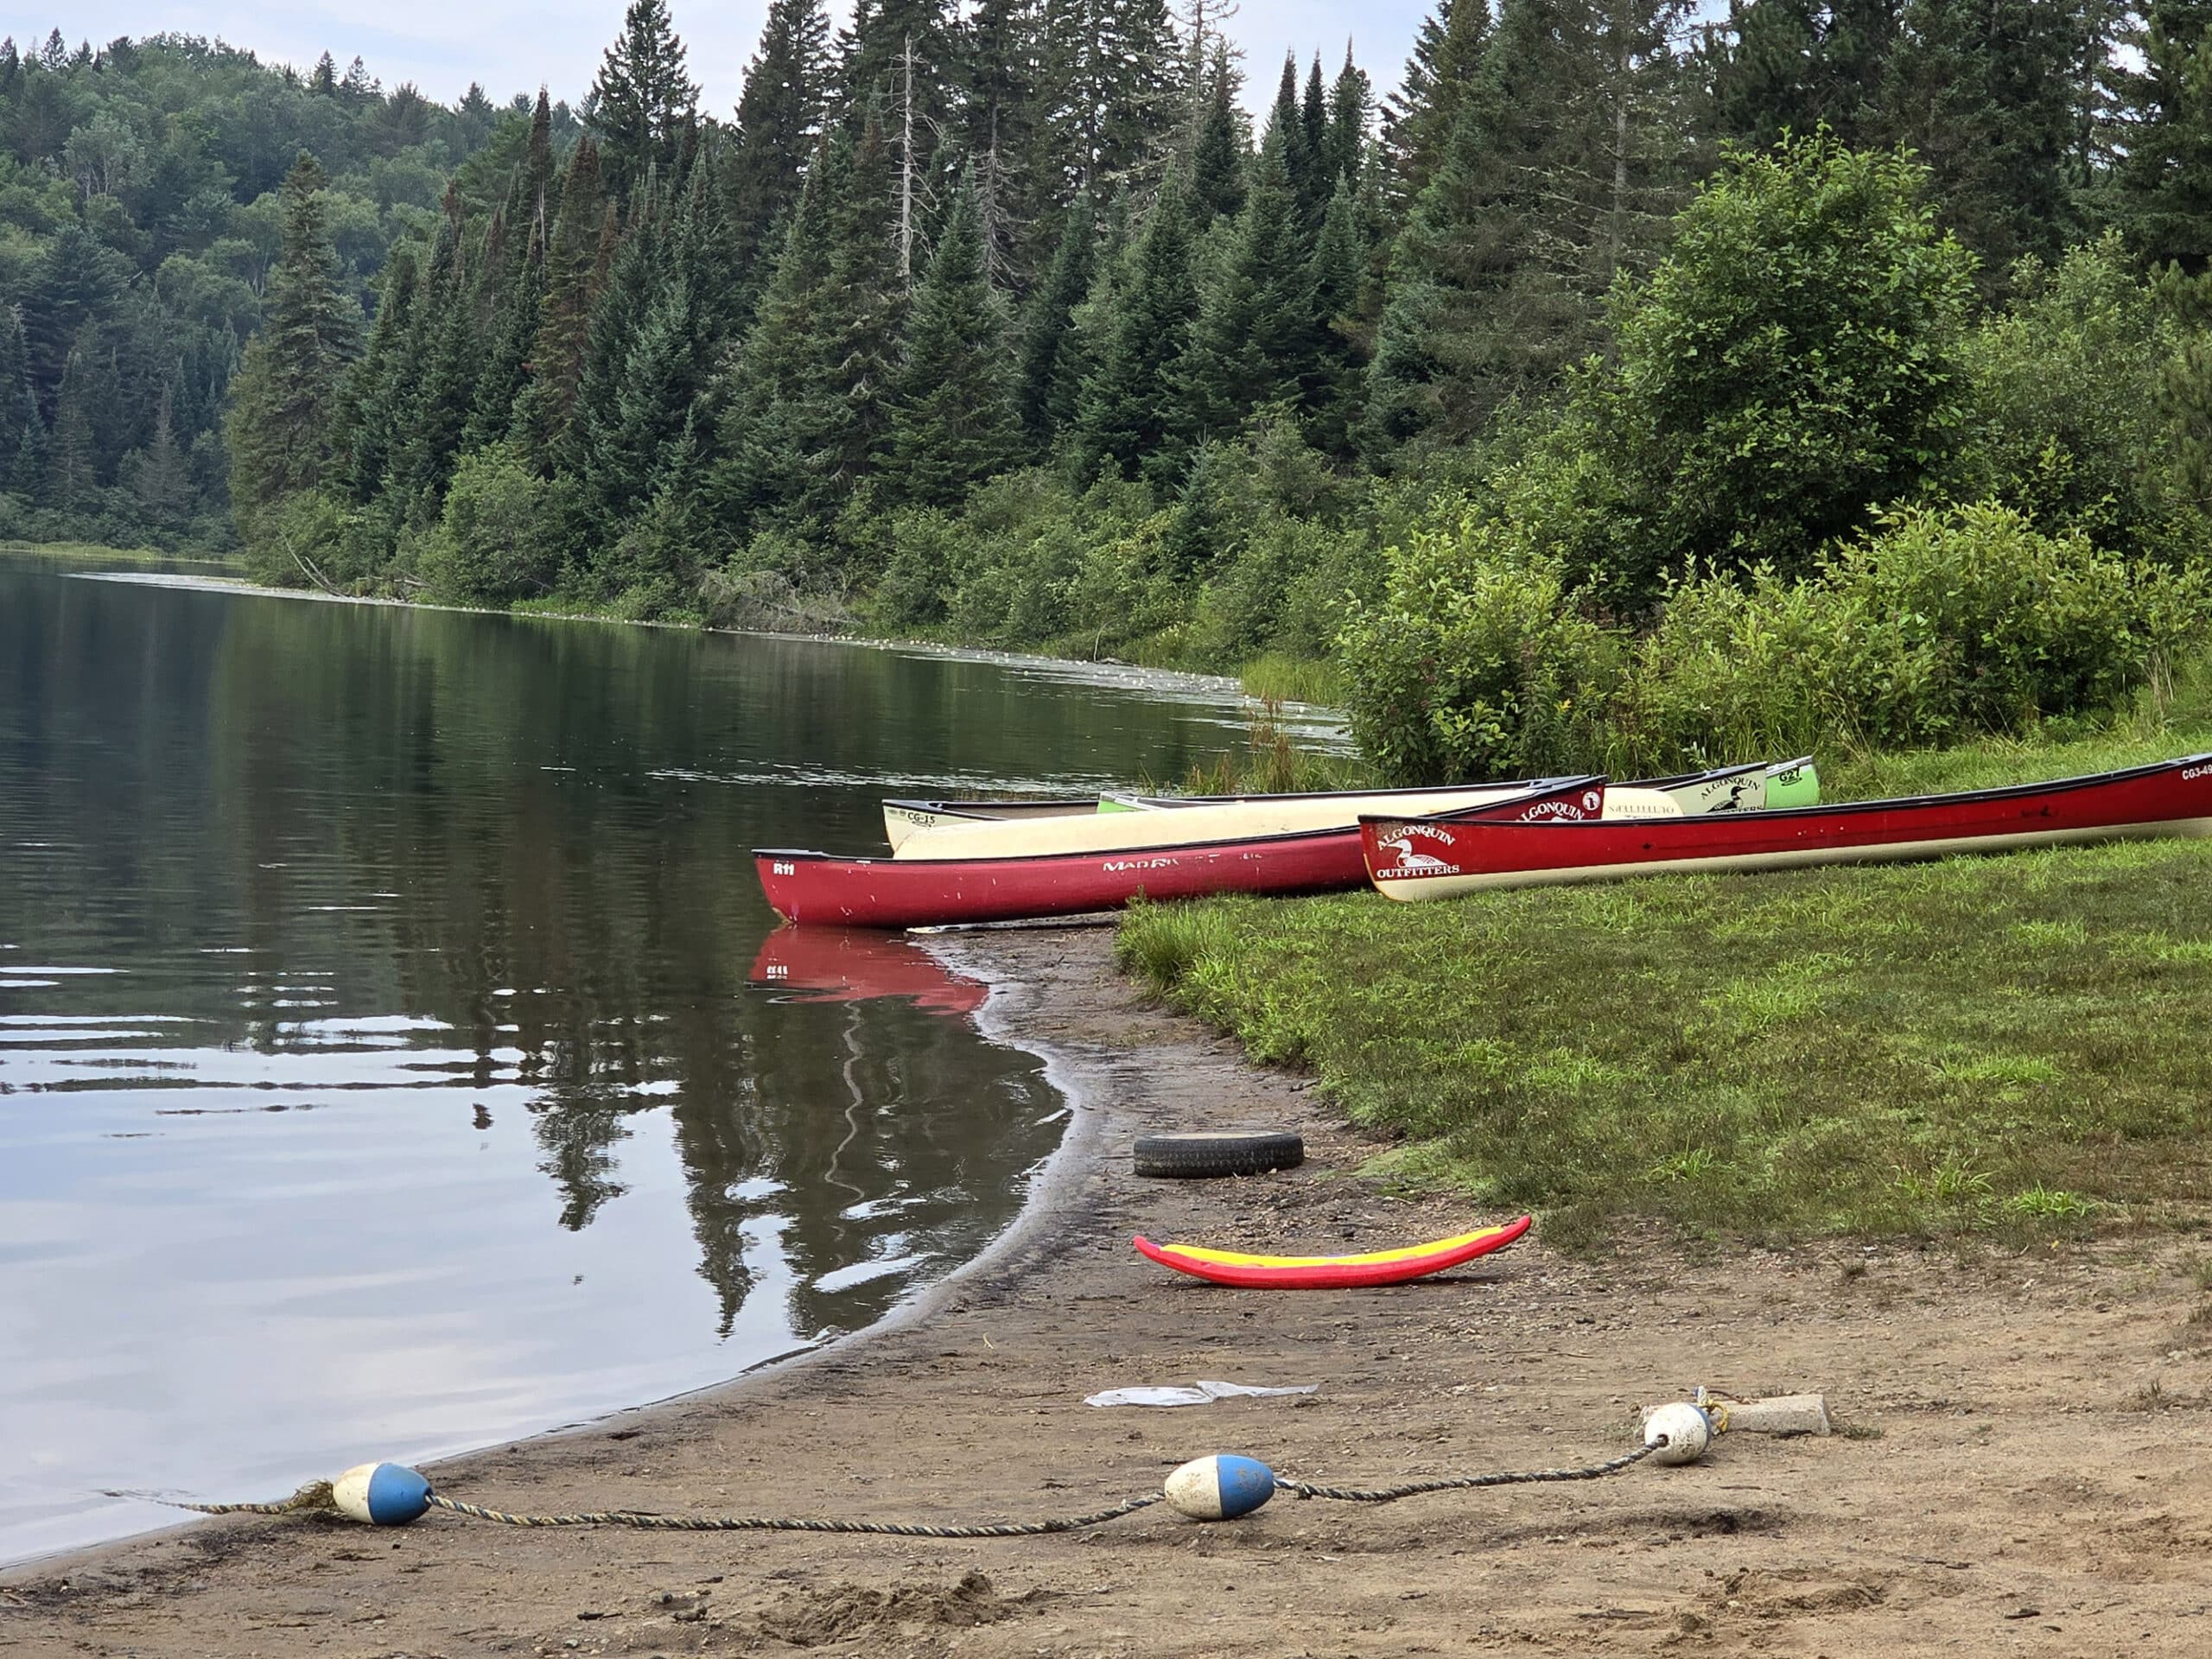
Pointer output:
x,y
1940,626
1792,364
923,570
1737,668
2069,423
1477,663
496,535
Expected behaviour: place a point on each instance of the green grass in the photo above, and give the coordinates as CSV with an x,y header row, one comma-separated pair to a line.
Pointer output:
x,y
1276,677
1269,763
2010,1045
89,552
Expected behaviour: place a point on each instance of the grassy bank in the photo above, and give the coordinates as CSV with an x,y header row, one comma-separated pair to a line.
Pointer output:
x,y
2010,1044
90,553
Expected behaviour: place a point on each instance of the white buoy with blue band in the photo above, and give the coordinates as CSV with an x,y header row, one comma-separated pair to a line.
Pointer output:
x,y
382,1494
1220,1488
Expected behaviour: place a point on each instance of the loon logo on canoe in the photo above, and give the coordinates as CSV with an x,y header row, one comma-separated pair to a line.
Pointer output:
x,y
1400,846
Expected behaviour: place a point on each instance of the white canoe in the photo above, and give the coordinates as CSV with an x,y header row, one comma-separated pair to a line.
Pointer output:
x,y
1266,815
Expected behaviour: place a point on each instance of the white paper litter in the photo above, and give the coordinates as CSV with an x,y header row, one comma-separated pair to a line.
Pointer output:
x,y
1205,1394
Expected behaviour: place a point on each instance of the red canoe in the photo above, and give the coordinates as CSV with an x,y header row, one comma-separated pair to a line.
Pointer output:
x,y
1332,1272
1435,858
817,888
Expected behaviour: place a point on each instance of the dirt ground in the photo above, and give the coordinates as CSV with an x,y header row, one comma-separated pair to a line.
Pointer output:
x,y
2026,1469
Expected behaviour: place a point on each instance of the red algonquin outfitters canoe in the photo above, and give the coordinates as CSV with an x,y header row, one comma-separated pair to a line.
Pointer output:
x,y
1433,858
817,888
1332,1272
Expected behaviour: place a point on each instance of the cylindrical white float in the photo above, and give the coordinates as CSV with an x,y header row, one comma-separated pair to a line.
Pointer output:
x,y
382,1494
1220,1488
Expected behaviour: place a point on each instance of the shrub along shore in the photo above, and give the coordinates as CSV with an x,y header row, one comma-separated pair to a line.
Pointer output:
x,y
2006,1045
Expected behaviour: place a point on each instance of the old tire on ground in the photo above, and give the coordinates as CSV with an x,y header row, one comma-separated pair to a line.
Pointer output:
x,y
1202,1155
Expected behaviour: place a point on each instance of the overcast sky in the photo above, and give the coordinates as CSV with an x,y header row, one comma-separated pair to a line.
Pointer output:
x,y
514,46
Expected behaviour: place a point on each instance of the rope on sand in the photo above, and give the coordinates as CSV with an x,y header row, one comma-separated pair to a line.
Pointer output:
x,y
1524,1477
1217,1488
651,1522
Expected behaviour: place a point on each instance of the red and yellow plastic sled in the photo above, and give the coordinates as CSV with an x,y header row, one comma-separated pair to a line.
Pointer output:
x,y
1333,1272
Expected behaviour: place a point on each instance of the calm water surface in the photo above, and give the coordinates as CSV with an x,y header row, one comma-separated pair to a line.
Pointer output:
x,y
395,1054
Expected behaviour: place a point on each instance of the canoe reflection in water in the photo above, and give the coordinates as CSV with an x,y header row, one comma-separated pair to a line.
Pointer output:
x,y
839,964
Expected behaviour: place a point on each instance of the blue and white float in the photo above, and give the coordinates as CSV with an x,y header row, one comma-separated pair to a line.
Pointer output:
x,y
1220,1488
382,1494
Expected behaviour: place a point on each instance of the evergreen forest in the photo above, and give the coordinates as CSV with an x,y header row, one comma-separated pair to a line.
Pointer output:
x,y
141,221
1603,384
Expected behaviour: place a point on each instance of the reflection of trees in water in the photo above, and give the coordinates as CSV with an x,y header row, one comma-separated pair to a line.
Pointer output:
x,y
587,932
583,927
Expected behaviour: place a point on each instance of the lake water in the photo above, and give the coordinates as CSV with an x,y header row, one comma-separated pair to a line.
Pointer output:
x,y
396,1053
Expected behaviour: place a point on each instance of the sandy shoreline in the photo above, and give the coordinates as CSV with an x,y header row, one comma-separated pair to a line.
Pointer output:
x,y
2017,1483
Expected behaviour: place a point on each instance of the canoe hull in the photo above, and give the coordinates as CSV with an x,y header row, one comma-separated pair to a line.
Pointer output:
x,y
1433,859
814,888
1333,1272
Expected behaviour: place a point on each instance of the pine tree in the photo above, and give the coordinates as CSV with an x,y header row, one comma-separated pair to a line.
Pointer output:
x,y
1253,342
1091,325
643,107
14,379
70,476
864,309
533,197
1794,65
1001,64
764,469
2187,300
1315,178
1284,117
1112,86
27,464
629,350
899,63
438,391
283,401
163,484
1336,383
808,415
368,407
953,422
1561,169
1982,92
779,117
581,250
519,307
1447,56
1046,397
1218,153
2165,174
1201,530
1123,414
1351,101
77,285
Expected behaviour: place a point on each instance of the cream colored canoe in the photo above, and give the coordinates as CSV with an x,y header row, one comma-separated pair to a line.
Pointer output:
x,y
1278,815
